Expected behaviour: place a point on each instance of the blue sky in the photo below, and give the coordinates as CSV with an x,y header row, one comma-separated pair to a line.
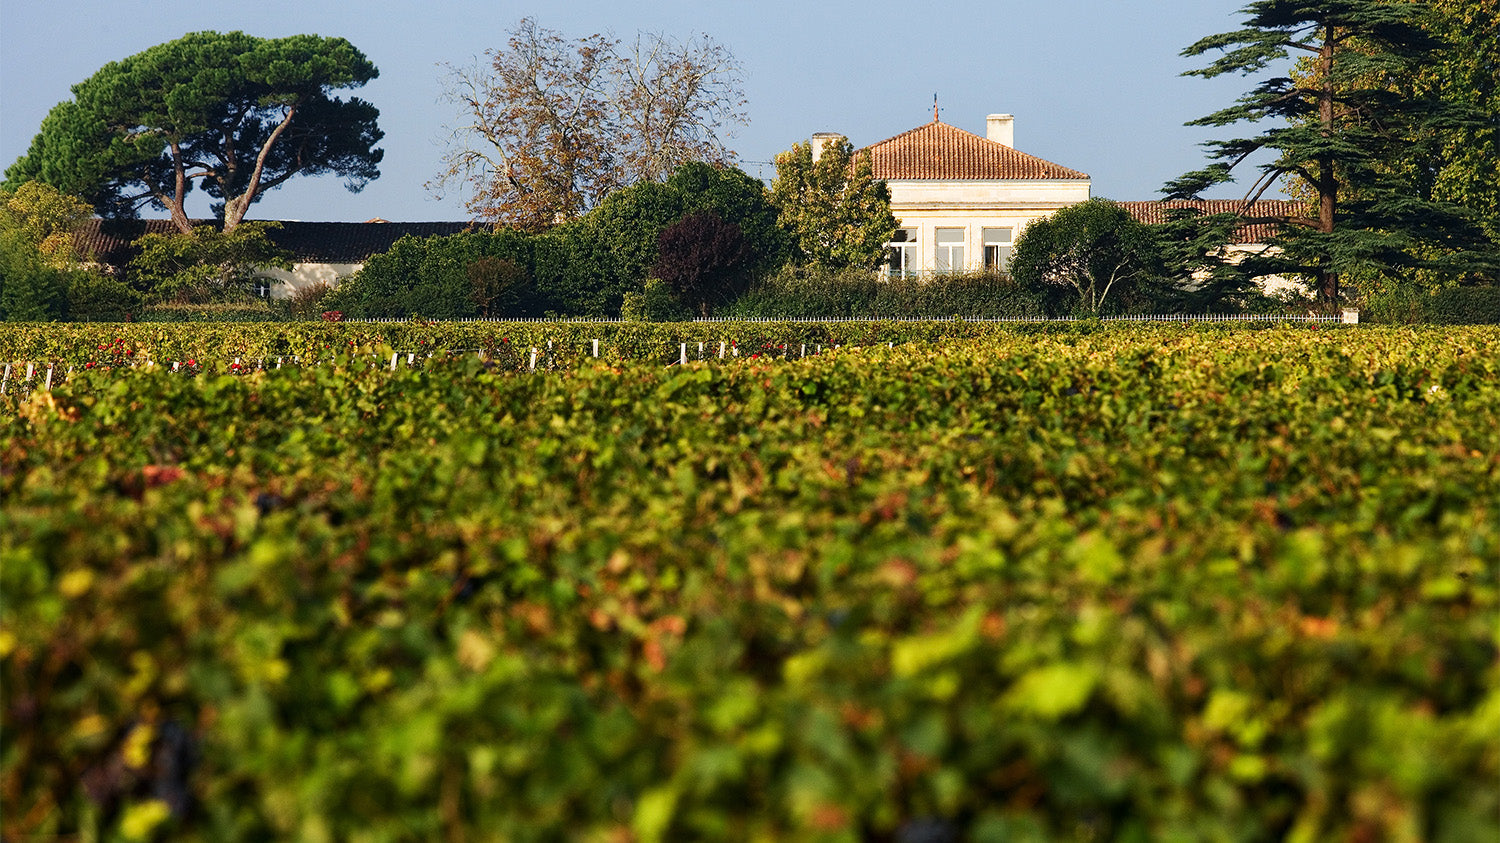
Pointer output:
x,y
1095,86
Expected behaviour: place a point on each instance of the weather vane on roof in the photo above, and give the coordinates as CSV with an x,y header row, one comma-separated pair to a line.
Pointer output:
x,y
934,107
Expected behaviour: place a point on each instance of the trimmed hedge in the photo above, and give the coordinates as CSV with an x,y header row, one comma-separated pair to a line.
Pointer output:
x,y
802,292
1407,304
1465,306
209,313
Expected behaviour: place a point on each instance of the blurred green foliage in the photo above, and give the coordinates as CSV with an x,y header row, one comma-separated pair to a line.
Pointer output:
x,y
1096,583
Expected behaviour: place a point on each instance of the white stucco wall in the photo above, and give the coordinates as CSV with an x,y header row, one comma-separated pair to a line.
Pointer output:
x,y
927,205
307,274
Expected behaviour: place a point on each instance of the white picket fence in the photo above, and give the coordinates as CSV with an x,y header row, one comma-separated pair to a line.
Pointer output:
x,y
1348,317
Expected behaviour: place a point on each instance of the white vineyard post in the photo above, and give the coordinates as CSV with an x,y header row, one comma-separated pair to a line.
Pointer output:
x,y
596,349
682,360
700,351
48,386
722,345
394,355
5,379
30,367
533,358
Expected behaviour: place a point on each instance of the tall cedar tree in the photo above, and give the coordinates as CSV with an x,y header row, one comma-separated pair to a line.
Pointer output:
x,y
234,114
1457,164
553,126
1339,128
837,213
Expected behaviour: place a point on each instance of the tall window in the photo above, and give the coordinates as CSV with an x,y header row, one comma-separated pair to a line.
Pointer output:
x,y
997,245
950,250
263,287
901,253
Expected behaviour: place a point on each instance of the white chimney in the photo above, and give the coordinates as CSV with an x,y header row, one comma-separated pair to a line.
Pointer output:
x,y
821,141
1001,128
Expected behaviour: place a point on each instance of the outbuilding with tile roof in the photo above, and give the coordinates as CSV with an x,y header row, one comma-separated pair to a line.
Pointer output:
x,y
322,252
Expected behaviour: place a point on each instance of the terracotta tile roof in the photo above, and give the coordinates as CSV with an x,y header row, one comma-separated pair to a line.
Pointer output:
x,y
940,151
110,241
1259,218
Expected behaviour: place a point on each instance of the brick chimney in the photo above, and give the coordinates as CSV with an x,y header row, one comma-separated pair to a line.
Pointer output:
x,y
1001,128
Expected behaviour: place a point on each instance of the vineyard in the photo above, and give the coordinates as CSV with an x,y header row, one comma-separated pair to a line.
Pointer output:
x,y
927,582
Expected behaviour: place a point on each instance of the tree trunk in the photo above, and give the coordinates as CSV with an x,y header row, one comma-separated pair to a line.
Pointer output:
x,y
236,207
179,192
1328,279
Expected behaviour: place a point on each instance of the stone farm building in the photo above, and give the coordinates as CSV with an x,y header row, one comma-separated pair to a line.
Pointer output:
x,y
323,252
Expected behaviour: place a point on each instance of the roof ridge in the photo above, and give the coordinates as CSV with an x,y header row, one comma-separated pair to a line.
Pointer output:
x,y
943,151
908,132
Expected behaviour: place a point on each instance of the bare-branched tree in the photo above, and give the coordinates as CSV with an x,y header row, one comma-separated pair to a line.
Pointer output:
x,y
676,102
551,126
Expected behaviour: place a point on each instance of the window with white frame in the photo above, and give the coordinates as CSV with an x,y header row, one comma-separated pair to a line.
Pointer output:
x,y
949,253
997,246
263,287
901,253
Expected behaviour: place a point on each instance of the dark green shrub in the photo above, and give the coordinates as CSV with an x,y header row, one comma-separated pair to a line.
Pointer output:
x,y
31,290
206,265
430,277
654,303
98,298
